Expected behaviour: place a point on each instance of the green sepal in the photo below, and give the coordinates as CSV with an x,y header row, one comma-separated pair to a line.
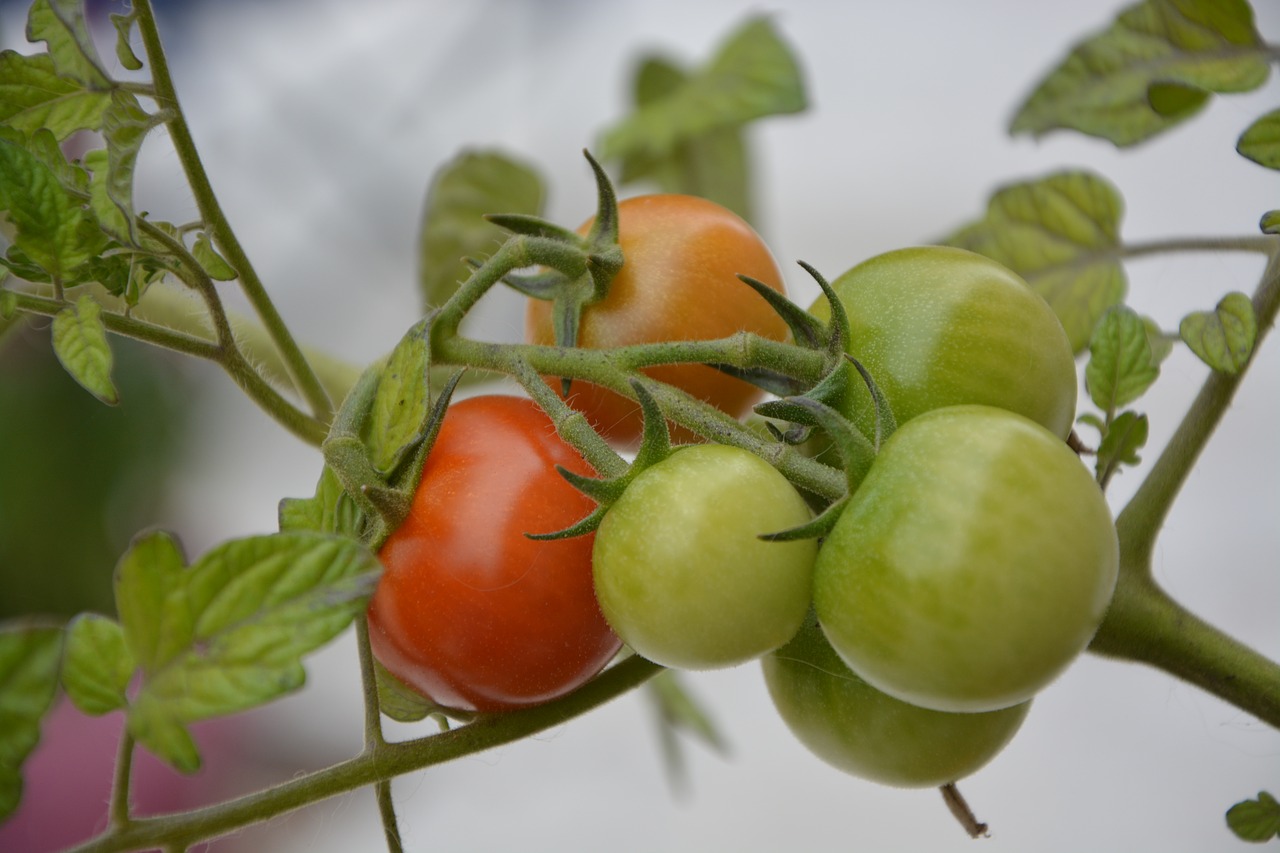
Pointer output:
x,y
817,528
655,446
534,226
807,330
886,422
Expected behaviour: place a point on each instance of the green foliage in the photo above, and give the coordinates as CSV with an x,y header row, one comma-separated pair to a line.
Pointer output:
x,y
1155,67
80,341
1255,820
28,681
33,95
97,664
401,402
686,132
1261,141
1121,441
1224,338
1061,234
462,192
678,711
1121,364
228,633
331,510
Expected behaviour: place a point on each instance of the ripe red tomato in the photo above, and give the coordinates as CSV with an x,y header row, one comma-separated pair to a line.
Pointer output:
x,y
678,282
470,611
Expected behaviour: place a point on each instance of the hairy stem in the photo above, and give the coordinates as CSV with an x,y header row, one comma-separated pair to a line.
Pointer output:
x,y
300,370
369,767
118,812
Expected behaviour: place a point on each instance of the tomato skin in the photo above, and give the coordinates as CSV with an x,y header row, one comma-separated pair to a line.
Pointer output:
x,y
972,565
681,258
469,611
855,728
938,326
680,571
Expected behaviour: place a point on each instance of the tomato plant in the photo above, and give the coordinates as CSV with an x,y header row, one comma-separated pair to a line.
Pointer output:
x,y
678,283
939,326
860,730
469,610
972,565
681,572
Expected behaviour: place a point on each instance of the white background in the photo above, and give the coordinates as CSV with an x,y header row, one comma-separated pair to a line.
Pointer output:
x,y
321,124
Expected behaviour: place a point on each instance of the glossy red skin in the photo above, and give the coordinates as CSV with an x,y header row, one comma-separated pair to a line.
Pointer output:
x,y
469,611
681,258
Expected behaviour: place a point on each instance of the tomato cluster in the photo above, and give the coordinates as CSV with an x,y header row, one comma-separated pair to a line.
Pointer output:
x,y
967,569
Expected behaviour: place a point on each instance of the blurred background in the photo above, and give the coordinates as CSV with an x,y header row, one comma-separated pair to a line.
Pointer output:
x,y
321,124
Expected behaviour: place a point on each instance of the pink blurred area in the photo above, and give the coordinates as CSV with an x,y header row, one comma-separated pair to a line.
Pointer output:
x,y
68,780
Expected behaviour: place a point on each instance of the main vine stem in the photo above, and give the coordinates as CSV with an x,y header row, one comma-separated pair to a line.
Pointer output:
x,y
1144,623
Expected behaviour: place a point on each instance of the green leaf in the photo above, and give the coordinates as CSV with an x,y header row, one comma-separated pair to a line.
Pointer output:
x,y
1261,141
753,75
1060,233
54,231
213,263
80,342
149,590
471,185
1121,441
28,682
1154,67
1223,339
401,402
1121,367
399,701
678,711
61,24
96,664
125,126
331,510
1161,344
255,606
124,51
32,96
714,165
1270,222
1255,820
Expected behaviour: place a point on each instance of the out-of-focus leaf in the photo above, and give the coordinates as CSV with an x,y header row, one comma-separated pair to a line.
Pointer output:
x,y
80,342
1059,233
1121,441
752,75
399,701
678,711
97,664
1121,367
32,96
124,50
255,606
28,682
1255,820
213,263
1270,222
463,191
1261,141
1154,67
61,25
1224,338
149,588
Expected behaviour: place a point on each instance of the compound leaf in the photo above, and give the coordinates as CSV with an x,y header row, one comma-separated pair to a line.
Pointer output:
x,y
1059,233
28,682
1154,67
1223,338
471,185
80,342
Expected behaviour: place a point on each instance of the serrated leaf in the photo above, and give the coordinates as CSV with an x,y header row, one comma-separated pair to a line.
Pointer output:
x,y
213,263
401,402
1060,233
96,664
1153,68
1255,820
1121,441
124,127
54,231
80,342
1121,367
32,96
61,25
752,75
1224,338
1261,141
255,607
28,683
331,510
453,226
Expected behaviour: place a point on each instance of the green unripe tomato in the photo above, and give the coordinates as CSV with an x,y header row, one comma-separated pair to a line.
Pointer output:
x,y
937,326
680,572
972,565
860,730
